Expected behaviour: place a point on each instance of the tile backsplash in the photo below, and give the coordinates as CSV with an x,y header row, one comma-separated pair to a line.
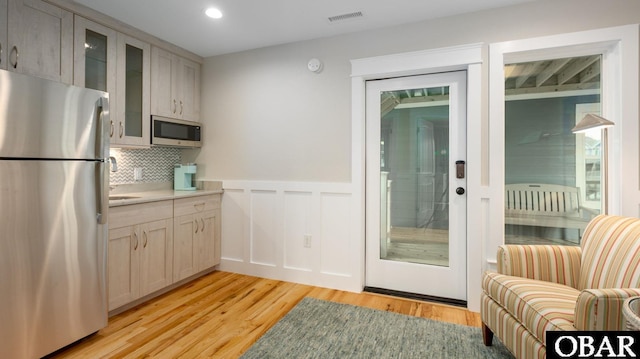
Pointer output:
x,y
157,164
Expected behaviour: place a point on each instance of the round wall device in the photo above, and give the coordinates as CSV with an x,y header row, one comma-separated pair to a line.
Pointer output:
x,y
314,65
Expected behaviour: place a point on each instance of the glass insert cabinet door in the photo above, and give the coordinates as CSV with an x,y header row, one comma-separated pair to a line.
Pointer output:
x,y
95,61
133,96
94,56
416,132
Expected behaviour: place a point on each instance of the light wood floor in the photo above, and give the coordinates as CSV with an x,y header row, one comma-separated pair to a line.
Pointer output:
x,y
222,314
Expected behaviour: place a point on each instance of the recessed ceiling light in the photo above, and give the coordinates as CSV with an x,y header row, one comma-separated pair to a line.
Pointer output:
x,y
213,13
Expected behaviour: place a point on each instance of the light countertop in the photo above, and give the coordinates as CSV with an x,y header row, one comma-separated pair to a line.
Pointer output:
x,y
134,194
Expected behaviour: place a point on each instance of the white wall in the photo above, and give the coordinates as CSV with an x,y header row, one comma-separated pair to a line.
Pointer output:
x,y
269,118
272,127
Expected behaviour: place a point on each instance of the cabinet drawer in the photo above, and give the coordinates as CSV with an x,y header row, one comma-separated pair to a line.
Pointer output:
x,y
192,205
122,216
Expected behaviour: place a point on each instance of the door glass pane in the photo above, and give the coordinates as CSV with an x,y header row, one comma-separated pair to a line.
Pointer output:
x,y
133,92
414,159
552,175
95,61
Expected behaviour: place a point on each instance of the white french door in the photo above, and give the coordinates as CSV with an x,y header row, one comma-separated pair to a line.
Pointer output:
x,y
415,185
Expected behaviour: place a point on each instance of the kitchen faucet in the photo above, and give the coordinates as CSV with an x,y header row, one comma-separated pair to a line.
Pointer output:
x,y
114,164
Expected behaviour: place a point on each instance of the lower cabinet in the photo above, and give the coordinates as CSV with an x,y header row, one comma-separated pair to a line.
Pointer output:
x,y
140,251
153,245
196,230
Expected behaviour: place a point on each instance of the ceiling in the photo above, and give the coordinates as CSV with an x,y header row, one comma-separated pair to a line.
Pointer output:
x,y
576,74
250,24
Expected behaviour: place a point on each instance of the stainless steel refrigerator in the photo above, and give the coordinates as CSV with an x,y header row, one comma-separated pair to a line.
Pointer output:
x,y
53,207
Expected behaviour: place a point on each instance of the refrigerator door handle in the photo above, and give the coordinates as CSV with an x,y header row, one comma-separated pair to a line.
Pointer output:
x,y
102,186
102,128
102,150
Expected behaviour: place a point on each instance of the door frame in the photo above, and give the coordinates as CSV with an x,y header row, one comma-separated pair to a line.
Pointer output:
x,y
465,57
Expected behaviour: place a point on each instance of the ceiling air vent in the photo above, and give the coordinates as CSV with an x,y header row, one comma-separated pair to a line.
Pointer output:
x,y
345,16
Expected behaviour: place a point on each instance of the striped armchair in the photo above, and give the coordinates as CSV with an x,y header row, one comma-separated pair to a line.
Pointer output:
x,y
546,287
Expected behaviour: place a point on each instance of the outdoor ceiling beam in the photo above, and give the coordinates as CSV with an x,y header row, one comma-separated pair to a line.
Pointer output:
x,y
575,68
552,89
419,99
551,70
529,70
590,73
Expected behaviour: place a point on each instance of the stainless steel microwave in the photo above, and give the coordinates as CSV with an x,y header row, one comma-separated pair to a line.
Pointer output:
x,y
177,133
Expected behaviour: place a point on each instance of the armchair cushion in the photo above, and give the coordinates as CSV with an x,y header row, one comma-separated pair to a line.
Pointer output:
x,y
538,305
611,253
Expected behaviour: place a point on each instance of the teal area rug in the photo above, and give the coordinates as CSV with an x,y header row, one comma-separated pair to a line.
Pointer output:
x,y
320,329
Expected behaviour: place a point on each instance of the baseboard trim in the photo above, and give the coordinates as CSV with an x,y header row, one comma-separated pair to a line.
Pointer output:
x,y
423,297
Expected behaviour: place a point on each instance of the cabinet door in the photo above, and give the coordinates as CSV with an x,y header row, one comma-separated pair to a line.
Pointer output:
x,y
184,247
3,35
156,257
207,251
175,89
94,63
94,55
133,92
163,91
189,90
123,265
40,40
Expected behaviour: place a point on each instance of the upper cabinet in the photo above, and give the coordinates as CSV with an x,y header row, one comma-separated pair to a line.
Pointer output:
x,y
109,61
94,55
131,119
39,40
62,41
94,59
175,90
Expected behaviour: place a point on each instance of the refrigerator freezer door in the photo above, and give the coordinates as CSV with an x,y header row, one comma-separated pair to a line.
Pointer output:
x,y
52,256
46,119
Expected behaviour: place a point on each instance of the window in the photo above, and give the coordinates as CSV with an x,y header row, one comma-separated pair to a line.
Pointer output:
x,y
548,169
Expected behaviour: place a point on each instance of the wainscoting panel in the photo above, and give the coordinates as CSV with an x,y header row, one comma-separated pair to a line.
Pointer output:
x,y
298,237
264,227
233,228
291,231
336,249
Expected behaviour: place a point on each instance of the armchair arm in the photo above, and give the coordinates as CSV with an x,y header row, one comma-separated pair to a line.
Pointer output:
x,y
551,263
601,309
